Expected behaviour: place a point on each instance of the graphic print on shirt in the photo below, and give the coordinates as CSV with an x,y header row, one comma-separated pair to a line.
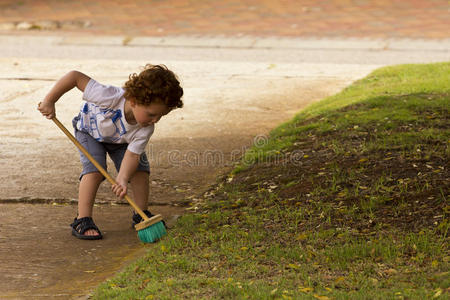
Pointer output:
x,y
103,124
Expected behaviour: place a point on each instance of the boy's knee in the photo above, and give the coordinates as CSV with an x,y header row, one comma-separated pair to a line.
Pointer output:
x,y
94,176
139,177
141,174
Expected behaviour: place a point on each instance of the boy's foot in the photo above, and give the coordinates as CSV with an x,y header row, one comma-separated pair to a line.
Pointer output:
x,y
138,219
85,229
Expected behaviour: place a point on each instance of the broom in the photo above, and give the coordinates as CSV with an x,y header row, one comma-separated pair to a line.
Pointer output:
x,y
150,229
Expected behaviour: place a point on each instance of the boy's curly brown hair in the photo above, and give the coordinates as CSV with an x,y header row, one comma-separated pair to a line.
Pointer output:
x,y
155,83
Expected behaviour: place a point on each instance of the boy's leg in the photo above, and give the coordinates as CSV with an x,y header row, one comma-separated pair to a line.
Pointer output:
x,y
86,193
139,184
90,177
86,196
140,180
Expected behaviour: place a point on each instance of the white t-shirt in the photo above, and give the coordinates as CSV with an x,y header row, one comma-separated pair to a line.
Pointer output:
x,y
103,117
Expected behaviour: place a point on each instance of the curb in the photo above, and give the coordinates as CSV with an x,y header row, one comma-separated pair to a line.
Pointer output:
x,y
244,42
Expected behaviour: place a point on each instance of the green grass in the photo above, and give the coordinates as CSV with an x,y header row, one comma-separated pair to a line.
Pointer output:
x,y
349,200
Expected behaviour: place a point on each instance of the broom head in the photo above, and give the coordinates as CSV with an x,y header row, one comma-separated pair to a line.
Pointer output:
x,y
151,230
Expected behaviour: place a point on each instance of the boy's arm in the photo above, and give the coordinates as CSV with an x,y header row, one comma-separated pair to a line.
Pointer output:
x,y
62,86
128,166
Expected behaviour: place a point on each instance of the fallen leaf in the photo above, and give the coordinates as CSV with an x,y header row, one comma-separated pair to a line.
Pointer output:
x,y
170,281
391,271
342,194
434,263
321,297
294,266
301,237
437,293
339,279
305,289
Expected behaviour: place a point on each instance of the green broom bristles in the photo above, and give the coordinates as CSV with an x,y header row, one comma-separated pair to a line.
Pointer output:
x,y
152,233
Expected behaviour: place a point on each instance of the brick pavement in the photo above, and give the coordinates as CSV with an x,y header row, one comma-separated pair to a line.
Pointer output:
x,y
429,19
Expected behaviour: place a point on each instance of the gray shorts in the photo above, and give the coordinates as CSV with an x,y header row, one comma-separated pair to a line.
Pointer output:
x,y
98,150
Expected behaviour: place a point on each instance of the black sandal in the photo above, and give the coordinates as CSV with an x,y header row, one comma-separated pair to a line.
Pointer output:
x,y
136,219
80,226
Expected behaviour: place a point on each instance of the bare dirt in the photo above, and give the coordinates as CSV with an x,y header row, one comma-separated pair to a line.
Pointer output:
x,y
189,150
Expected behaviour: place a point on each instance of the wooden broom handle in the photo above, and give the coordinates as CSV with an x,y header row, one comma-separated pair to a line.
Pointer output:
x,y
97,165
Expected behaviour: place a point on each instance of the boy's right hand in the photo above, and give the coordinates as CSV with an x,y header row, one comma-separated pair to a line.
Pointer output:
x,y
120,188
47,109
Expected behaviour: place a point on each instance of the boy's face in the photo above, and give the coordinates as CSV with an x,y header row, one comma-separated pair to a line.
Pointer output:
x,y
146,115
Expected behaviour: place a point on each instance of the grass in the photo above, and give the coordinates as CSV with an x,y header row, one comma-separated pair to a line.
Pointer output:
x,y
349,200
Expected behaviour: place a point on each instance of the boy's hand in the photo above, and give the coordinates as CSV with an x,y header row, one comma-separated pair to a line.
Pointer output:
x,y
120,188
47,109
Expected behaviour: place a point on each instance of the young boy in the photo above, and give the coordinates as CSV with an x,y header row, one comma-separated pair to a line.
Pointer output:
x,y
117,121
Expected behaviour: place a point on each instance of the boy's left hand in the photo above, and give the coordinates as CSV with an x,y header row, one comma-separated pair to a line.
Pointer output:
x,y
120,188
47,109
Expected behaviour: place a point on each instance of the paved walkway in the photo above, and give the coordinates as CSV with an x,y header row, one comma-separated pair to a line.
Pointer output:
x,y
427,19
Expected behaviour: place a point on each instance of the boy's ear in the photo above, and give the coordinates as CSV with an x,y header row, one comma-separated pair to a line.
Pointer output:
x,y
132,102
